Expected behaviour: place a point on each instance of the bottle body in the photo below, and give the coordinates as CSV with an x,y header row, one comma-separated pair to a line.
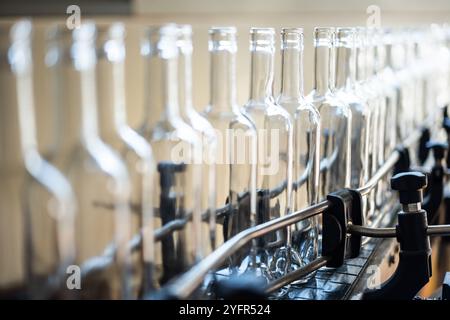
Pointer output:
x,y
176,191
204,129
303,236
235,164
275,143
335,120
96,172
133,148
37,202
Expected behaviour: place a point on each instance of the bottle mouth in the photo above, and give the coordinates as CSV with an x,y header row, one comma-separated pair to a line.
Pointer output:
x,y
324,36
83,51
360,37
161,40
262,37
222,38
345,37
292,38
19,55
184,41
86,32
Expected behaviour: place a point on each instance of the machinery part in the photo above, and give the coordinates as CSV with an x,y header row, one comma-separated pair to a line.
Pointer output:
x,y
414,268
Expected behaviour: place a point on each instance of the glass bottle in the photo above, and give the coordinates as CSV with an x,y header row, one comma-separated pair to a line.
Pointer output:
x,y
407,114
97,173
208,138
275,137
303,236
335,119
376,56
345,90
37,203
392,92
176,191
236,151
134,149
364,90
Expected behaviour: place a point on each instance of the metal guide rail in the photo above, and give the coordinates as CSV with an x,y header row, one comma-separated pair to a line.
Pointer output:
x,y
186,284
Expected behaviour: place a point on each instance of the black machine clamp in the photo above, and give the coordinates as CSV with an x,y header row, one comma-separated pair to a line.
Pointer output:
x,y
414,268
337,245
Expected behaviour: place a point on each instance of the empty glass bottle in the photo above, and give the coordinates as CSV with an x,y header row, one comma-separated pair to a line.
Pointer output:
x,y
208,138
392,93
274,127
364,90
302,236
335,119
135,150
176,189
37,203
97,173
236,148
375,65
345,90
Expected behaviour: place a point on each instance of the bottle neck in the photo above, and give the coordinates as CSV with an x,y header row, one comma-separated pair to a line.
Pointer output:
x,y
322,68
89,118
388,50
185,76
162,88
360,64
111,88
344,60
370,61
292,72
18,119
223,79
261,72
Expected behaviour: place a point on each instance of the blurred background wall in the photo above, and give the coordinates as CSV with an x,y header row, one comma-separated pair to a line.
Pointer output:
x,y
202,14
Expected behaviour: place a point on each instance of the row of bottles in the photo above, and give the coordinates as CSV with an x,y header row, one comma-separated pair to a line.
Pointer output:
x,y
126,210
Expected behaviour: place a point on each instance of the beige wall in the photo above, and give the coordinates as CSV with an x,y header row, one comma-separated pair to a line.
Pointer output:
x,y
243,14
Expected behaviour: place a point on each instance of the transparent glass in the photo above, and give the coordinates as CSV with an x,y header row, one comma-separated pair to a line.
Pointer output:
x,y
302,236
275,138
134,149
236,149
407,88
345,90
392,93
208,139
376,57
37,203
335,118
97,173
176,192
364,90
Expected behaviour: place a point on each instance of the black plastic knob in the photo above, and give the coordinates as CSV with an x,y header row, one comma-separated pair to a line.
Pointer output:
x,y
409,185
439,149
